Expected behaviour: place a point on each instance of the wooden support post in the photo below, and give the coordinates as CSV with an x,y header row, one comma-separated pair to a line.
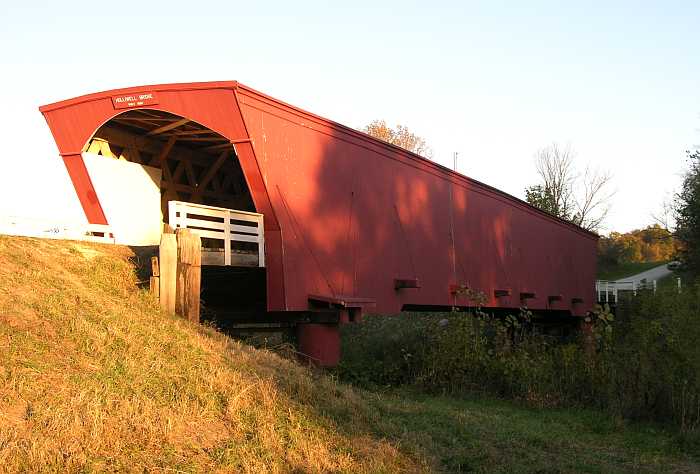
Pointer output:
x,y
155,269
154,286
189,274
154,282
168,272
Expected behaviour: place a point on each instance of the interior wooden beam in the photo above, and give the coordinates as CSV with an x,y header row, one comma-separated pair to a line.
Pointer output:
x,y
150,145
163,156
227,181
179,170
154,114
206,139
135,154
215,184
204,181
170,126
184,188
217,147
191,177
143,127
200,131
143,119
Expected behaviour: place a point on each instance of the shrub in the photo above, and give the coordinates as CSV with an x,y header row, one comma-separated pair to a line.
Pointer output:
x,y
643,364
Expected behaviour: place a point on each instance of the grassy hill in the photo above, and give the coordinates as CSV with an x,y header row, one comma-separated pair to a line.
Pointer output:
x,y
94,377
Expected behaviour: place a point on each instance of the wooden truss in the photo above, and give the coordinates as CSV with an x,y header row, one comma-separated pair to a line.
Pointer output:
x,y
198,165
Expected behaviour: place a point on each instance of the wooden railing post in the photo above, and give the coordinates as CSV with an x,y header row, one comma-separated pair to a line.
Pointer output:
x,y
261,242
172,214
168,272
189,274
227,238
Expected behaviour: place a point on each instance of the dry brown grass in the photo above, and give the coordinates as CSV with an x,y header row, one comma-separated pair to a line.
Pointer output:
x,y
93,377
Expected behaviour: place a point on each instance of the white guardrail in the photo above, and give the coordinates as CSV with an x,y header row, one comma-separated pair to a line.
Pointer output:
x,y
227,225
607,291
28,227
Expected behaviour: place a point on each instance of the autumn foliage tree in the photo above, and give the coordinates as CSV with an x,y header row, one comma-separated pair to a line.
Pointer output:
x,y
399,136
652,244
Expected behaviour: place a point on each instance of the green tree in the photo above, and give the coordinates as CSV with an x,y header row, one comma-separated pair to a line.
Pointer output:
x,y
400,136
688,216
542,197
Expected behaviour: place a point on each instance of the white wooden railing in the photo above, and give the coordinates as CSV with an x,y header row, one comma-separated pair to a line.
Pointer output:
x,y
216,223
607,291
45,229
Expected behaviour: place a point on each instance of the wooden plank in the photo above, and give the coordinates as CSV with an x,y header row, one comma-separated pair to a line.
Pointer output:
x,y
210,225
189,271
214,258
210,234
245,238
170,126
168,272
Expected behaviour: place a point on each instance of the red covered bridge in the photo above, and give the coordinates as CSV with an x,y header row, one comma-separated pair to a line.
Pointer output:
x,y
350,222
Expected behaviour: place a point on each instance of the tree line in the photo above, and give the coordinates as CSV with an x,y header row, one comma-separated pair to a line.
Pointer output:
x,y
652,244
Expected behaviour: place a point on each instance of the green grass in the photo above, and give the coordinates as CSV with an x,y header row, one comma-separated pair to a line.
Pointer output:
x,y
486,435
617,272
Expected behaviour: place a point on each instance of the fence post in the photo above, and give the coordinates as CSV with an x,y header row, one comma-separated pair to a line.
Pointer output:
x,y
261,242
607,290
172,214
189,274
227,238
154,281
168,271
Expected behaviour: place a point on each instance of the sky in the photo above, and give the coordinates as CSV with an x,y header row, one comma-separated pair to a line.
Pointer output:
x,y
493,81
